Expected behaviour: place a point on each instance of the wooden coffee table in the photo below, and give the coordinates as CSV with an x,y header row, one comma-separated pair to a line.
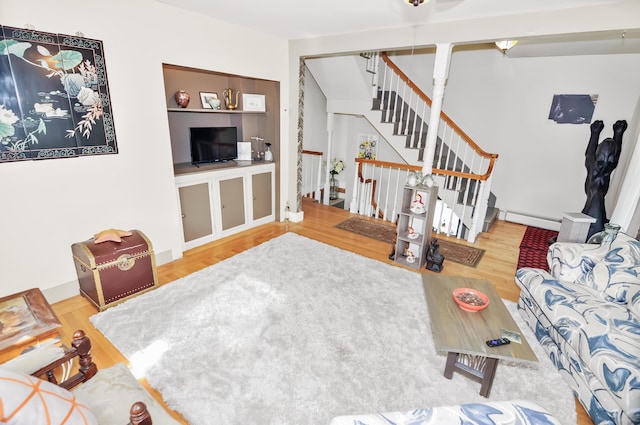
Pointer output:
x,y
462,334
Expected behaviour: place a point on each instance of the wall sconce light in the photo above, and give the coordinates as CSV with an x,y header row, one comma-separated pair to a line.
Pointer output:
x,y
416,3
505,45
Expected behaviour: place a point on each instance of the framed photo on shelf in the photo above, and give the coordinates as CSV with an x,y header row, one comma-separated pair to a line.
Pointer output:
x,y
209,100
253,102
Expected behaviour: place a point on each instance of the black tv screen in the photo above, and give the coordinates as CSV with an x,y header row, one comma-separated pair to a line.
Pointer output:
x,y
213,144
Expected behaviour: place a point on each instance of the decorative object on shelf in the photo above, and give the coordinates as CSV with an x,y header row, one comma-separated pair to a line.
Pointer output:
x,y
417,206
412,234
257,148
229,99
209,100
470,299
253,102
411,257
244,152
182,98
268,155
428,180
435,260
414,178
367,147
605,236
336,168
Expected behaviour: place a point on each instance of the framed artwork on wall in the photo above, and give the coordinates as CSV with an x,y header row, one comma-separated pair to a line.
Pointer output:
x,y
56,103
209,100
367,146
253,102
573,108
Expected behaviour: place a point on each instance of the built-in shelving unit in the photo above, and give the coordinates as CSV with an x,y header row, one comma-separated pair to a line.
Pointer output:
x,y
217,200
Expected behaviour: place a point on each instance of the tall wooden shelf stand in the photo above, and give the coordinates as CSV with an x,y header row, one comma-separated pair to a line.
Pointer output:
x,y
420,222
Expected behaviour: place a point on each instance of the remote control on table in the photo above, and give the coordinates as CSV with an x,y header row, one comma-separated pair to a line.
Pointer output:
x,y
498,342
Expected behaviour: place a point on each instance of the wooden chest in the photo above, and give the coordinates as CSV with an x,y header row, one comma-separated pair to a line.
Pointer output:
x,y
111,272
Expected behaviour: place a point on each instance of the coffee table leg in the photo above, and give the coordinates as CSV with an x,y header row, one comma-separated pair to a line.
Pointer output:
x,y
480,369
489,373
451,365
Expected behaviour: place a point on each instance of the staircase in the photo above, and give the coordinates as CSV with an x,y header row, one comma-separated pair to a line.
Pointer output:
x,y
400,112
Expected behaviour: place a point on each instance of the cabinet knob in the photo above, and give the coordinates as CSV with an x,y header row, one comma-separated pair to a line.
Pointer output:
x,y
221,206
183,216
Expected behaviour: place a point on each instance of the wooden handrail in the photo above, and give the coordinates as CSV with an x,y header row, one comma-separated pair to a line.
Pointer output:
x,y
419,168
445,117
312,152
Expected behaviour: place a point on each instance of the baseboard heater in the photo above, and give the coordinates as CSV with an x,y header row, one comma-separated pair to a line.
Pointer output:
x,y
541,222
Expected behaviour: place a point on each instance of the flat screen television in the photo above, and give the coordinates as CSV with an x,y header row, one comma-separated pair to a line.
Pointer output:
x,y
213,144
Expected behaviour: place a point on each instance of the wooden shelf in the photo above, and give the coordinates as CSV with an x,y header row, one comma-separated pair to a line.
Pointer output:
x,y
214,111
419,245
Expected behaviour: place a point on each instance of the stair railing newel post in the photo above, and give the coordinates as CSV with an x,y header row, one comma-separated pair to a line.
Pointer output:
x,y
481,209
353,207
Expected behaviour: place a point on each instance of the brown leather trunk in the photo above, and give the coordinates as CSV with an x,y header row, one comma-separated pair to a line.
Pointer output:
x,y
112,272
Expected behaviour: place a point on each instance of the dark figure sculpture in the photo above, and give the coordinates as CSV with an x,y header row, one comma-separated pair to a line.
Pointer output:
x,y
434,258
600,160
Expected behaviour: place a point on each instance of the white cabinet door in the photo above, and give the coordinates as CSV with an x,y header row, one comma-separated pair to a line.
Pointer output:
x,y
221,202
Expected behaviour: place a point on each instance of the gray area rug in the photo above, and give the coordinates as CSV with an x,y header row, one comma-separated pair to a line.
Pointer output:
x,y
295,331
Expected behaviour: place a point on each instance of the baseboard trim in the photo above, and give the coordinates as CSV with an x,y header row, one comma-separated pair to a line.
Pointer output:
x,y
528,220
62,292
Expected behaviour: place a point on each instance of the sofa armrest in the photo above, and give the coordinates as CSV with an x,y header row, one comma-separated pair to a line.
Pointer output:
x,y
569,261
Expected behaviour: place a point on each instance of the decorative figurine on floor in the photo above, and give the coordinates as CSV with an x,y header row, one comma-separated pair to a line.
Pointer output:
x,y
434,258
600,161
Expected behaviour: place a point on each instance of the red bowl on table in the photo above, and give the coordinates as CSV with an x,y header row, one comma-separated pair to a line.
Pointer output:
x,y
470,300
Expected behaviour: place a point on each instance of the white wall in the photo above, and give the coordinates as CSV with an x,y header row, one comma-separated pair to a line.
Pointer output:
x,y
48,205
503,104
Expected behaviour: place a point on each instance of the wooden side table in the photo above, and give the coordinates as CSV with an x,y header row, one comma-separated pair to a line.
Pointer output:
x,y
26,318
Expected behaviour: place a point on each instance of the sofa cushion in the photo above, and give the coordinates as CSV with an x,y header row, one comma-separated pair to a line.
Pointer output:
x,y
570,262
112,391
26,400
617,275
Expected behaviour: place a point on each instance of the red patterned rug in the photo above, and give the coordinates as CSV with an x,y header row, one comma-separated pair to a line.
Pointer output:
x,y
534,247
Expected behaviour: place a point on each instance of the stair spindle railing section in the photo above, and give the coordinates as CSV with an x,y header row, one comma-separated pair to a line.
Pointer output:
x,y
312,186
401,102
407,108
377,192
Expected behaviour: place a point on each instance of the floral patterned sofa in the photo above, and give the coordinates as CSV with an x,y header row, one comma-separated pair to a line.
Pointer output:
x,y
586,314
490,413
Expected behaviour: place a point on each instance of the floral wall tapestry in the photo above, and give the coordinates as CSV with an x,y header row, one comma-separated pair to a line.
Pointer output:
x,y
54,97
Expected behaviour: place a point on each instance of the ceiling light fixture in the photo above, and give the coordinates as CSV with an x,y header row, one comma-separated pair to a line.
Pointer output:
x,y
505,45
416,3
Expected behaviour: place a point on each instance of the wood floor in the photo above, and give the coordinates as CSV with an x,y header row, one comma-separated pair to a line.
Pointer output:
x,y
498,265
